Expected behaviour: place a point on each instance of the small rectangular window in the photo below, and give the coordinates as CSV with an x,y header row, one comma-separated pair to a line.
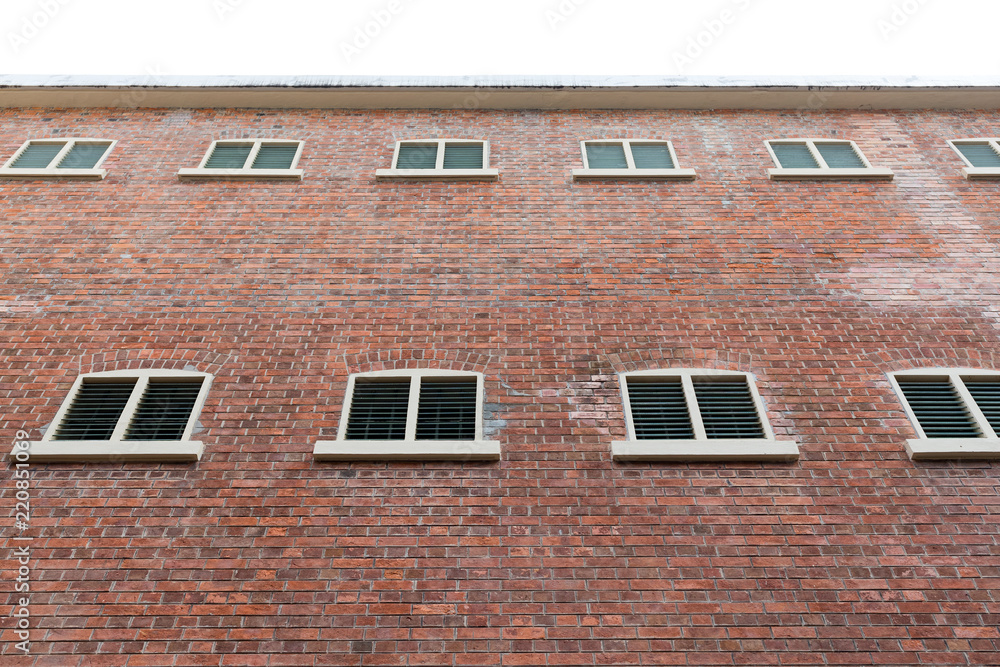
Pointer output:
x,y
127,415
248,159
981,157
58,158
440,159
807,159
630,159
956,412
416,414
696,415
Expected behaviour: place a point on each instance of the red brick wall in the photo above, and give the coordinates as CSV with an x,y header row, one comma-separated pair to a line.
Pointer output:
x,y
257,555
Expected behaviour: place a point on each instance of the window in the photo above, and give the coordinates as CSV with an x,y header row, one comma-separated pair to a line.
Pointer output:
x,y
694,415
803,159
630,158
981,157
956,412
58,158
248,159
441,159
127,415
417,414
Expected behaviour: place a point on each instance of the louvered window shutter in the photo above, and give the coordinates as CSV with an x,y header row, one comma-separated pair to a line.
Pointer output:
x,y
463,156
986,393
606,156
794,156
727,407
447,409
840,156
378,410
37,156
274,157
95,410
659,411
980,154
164,410
652,156
83,156
938,408
417,156
229,156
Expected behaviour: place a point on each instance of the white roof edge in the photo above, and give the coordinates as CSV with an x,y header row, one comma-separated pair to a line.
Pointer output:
x,y
502,92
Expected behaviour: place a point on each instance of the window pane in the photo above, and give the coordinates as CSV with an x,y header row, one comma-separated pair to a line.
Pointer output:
x,y
606,156
986,393
938,408
794,156
83,156
652,156
840,156
417,156
95,410
164,410
980,154
378,410
274,157
728,409
229,156
447,409
463,156
37,156
659,410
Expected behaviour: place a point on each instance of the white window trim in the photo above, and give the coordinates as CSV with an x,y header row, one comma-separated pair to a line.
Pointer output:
x,y
95,173
701,448
117,449
925,448
631,171
439,173
970,172
824,172
246,173
409,448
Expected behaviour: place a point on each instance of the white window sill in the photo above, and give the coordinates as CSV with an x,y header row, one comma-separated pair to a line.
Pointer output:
x,y
240,174
647,174
122,450
407,450
77,174
973,173
438,174
852,174
705,450
953,448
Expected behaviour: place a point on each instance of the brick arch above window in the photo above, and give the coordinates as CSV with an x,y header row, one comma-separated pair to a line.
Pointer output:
x,y
388,360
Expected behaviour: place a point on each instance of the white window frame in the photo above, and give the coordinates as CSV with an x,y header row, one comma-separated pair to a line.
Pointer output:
x,y
925,448
246,173
824,172
631,171
117,449
701,448
409,448
95,173
971,172
439,173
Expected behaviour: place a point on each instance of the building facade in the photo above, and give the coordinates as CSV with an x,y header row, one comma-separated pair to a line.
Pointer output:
x,y
399,373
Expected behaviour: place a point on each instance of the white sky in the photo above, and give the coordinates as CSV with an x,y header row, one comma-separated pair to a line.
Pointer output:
x,y
930,38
